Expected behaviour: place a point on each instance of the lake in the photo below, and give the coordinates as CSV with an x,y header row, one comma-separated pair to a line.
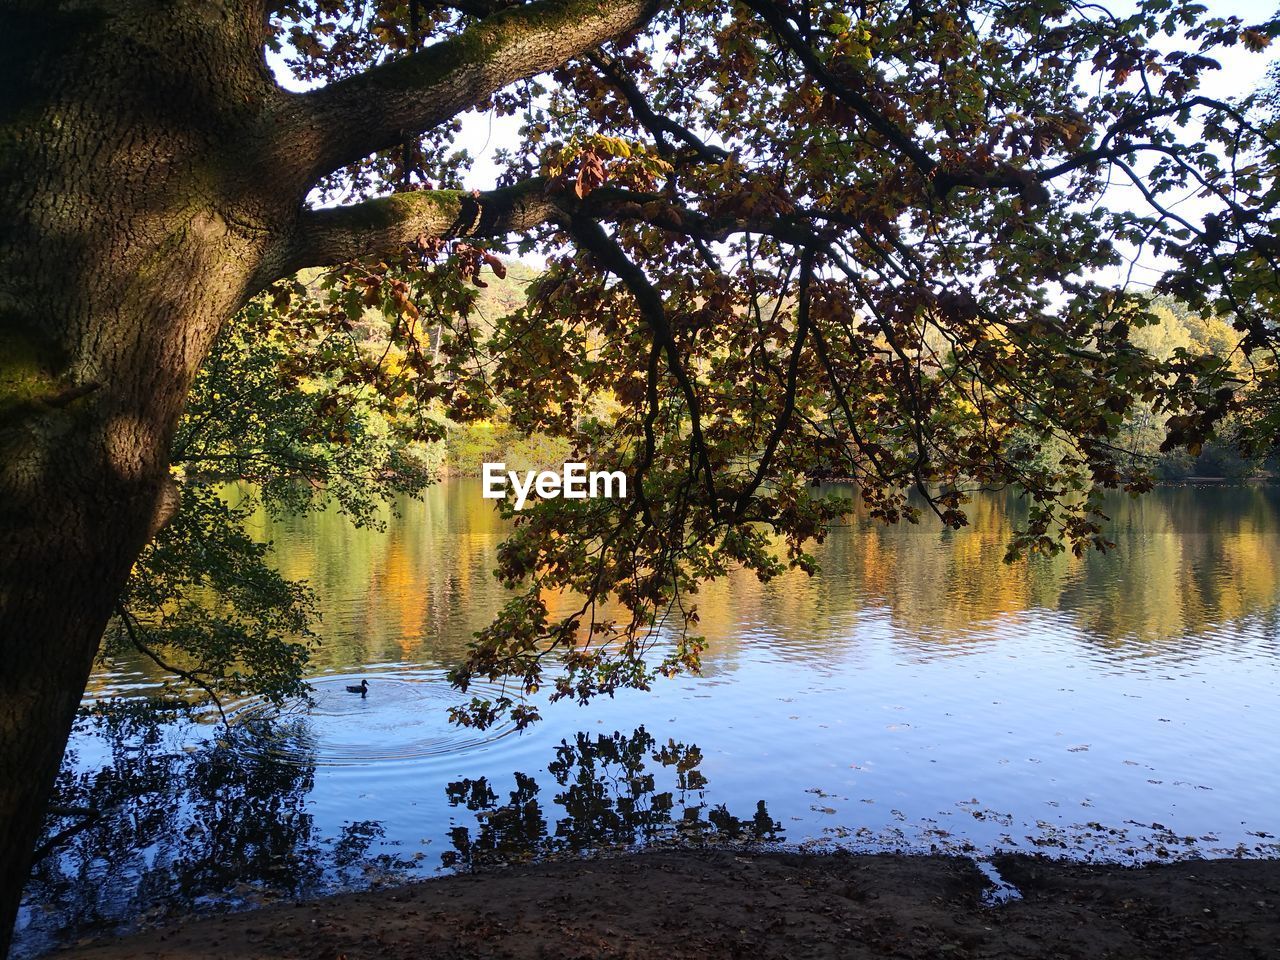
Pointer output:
x,y
917,695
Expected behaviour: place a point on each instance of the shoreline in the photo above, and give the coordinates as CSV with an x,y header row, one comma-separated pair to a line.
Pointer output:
x,y
716,903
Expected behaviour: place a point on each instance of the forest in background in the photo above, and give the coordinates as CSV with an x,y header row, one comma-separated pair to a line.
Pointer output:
x,y
467,445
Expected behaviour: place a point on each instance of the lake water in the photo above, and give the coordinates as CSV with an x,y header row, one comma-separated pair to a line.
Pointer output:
x,y
917,695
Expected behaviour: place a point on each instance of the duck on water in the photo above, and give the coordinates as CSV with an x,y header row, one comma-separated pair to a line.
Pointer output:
x,y
362,689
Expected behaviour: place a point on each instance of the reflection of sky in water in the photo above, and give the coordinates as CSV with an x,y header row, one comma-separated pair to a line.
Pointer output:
x,y
917,693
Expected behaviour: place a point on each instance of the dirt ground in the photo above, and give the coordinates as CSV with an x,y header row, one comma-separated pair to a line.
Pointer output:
x,y
719,904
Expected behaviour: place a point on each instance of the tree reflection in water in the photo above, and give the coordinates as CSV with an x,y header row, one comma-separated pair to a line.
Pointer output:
x,y
150,829
608,797
142,828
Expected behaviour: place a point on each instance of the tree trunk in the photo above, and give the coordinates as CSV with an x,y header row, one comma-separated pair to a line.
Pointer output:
x,y
125,244
152,178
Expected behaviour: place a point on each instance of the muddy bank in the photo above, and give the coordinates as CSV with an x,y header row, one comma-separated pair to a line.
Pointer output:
x,y
718,904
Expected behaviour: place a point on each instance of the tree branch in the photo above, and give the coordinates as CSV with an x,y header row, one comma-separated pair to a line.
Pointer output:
x,y
353,118
943,179
775,16
611,258
658,125
135,638
474,8
783,421
333,235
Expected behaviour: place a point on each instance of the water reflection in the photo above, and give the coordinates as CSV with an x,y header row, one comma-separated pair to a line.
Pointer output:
x,y
403,717
153,831
141,827
918,694
608,796
1185,561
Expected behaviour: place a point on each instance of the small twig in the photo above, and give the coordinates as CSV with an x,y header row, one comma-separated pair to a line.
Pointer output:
x,y
186,675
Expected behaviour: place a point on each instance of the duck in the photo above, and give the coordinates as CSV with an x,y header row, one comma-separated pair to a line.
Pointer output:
x,y
362,689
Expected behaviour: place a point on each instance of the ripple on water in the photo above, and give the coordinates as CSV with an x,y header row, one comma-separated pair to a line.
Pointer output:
x,y
405,716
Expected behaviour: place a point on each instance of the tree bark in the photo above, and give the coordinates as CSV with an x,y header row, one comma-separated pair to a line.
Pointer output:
x,y
125,245
152,178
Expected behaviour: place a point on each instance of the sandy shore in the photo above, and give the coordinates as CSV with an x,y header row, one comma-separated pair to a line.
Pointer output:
x,y
719,904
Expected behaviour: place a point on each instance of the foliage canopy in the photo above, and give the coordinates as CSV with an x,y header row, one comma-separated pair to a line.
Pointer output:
x,y
784,241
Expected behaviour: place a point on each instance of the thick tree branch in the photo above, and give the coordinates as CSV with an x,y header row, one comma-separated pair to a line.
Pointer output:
x,y
335,235
474,8
379,108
